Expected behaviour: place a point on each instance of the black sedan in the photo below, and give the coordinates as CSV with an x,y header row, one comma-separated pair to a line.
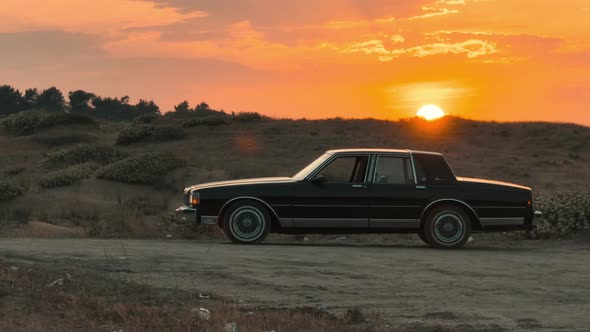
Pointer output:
x,y
364,191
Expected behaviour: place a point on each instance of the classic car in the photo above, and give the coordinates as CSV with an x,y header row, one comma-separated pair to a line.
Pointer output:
x,y
364,191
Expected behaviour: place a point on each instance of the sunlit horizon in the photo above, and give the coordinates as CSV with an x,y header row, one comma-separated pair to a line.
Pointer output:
x,y
482,60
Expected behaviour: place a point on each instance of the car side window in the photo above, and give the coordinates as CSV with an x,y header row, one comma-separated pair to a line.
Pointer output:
x,y
393,170
433,169
346,169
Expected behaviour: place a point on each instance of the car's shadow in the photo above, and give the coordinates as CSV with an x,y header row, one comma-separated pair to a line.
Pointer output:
x,y
397,246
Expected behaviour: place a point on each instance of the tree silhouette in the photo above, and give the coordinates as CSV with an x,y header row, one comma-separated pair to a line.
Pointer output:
x,y
183,107
80,101
202,107
147,107
51,100
30,98
11,100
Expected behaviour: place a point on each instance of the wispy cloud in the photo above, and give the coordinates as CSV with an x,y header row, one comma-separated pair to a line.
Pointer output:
x,y
440,12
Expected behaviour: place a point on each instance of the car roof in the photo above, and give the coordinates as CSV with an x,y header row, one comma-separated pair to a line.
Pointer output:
x,y
406,151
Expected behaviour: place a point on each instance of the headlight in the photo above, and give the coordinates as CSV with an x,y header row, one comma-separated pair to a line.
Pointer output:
x,y
194,198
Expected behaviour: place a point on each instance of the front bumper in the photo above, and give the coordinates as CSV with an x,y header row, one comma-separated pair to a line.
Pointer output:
x,y
189,214
537,216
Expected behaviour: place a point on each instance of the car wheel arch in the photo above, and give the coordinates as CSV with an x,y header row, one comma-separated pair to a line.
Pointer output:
x,y
475,223
273,214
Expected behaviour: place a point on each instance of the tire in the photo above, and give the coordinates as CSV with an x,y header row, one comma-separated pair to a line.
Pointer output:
x,y
447,227
246,222
421,236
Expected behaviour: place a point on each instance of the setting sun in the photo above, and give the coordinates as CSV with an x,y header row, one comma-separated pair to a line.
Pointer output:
x,y
430,112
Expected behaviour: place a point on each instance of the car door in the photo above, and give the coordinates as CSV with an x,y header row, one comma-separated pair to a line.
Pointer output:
x,y
395,200
335,196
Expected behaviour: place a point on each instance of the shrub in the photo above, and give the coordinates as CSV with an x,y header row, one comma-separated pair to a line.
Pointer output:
x,y
9,191
68,176
27,123
12,171
147,118
61,139
248,116
149,133
82,153
564,214
143,168
208,121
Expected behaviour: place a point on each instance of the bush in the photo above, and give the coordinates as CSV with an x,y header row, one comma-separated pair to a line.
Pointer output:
x,y
82,153
149,133
147,118
68,176
12,171
564,214
29,122
248,116
209,121
9,191
61,139
143,168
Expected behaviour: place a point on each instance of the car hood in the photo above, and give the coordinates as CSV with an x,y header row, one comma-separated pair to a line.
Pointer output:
x,y
239,183
491,182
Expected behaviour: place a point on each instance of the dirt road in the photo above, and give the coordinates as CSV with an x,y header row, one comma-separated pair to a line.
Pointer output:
x,y
487,286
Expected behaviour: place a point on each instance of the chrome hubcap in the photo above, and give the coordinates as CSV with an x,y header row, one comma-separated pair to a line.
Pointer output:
x,y
247,223
448,227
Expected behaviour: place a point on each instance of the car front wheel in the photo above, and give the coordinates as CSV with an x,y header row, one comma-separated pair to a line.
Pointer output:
x,y
246,222
447,227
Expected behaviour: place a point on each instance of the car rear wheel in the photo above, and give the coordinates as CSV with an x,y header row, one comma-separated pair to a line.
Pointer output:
x,y
246,222
447,227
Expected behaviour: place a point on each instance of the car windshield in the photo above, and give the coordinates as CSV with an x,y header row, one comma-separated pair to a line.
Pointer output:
x,y
311,167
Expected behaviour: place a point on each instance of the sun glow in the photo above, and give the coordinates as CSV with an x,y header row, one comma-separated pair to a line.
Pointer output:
x,y
430,112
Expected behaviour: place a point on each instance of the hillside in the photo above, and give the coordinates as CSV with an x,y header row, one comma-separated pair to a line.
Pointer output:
x,y
549,157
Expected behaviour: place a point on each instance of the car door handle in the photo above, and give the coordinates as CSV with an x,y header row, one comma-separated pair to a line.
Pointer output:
x,y
359,186
420,187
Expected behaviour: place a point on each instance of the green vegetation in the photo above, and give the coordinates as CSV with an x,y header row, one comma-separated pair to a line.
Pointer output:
x,y
58,139
145,168
564,214
248,116
68,176
207,121
9,191
149,133
82,153
147,118
27,123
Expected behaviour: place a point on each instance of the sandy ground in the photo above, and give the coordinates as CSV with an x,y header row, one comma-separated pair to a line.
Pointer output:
x,y
489,286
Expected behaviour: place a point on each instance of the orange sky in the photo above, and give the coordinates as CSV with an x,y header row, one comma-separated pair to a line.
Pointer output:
x,y
501,60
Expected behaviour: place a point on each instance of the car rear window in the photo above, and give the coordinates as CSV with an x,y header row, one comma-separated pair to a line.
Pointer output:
x,y
432,169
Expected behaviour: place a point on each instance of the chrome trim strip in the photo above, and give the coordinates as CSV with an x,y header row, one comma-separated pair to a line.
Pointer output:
x,y
394,223
499,207
286,222
486,222
394,206
413,167
248,197
326,205
448,199
209,220
331,222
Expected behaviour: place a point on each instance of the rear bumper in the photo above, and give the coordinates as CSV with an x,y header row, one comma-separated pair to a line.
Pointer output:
x,y
189,214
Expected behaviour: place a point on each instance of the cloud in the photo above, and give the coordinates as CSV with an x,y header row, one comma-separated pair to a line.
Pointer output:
x,y
472,48
87,16
440,12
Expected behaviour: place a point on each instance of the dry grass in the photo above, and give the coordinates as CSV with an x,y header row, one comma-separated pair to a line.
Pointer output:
x,y
32,300
549,157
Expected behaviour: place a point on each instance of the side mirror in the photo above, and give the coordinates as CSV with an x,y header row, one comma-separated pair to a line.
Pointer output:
x,y
319,178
